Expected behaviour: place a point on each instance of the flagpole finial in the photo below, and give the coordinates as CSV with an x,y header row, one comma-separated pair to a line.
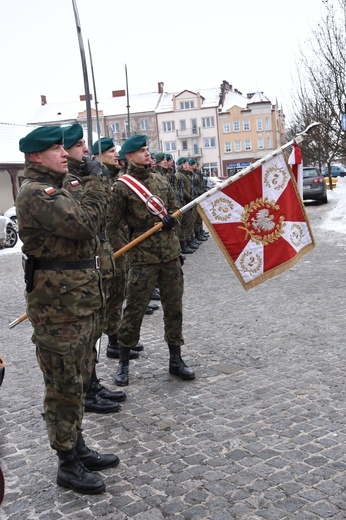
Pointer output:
x,y
300,137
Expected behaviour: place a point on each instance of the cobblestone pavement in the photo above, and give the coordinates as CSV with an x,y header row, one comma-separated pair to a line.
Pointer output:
x,y
259,434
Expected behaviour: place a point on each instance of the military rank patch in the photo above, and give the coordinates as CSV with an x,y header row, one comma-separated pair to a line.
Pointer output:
x,y
50,190
75,183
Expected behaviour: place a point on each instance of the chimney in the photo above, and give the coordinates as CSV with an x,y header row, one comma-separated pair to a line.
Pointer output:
x,y
43,100
118,93
82,97
160,87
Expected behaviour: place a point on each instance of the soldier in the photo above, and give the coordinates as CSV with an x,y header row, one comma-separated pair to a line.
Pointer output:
x,y
98,398
63,295
185,188
161,164
155,260
118,238
198,189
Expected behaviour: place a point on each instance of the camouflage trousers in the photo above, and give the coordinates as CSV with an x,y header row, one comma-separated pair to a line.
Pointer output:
x,y
187,223
66,356
142,280
115,298
198,223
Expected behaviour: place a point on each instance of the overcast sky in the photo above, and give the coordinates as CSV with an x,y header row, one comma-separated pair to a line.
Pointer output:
x,y
184,44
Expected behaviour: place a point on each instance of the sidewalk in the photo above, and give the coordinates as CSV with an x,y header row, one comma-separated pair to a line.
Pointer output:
x,y
259,434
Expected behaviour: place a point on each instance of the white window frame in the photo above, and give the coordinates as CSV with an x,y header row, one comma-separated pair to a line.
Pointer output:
x,y
247,145
228,146
170,146
238,146
226,127
144,123
236,126
267,124
246,125
209,142
260,143
208,122
186,105
259,124
168,126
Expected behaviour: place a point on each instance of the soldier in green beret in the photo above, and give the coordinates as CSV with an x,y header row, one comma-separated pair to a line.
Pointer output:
x,y
154,261
98,398
63,295
185,185
118,238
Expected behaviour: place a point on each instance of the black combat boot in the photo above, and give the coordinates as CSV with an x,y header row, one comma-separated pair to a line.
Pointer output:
x,y
177,365
102,391
149,311
200,237
192,245
122,373
185,249
113,349
95,403
156,294
74,475
93,460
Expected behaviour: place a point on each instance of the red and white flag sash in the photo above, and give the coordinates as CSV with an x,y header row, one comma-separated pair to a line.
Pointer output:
x,y
296,162
154,205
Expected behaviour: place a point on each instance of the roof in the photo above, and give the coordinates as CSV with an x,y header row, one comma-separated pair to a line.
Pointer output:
x,y
9,142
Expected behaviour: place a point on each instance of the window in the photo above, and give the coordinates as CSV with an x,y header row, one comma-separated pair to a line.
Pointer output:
x,y
208,122
170,146
182,124
259,125
115,128
168,126
267,123
236,126
237,146
246,125
209,142
184,145
194,126
269,142
260,143
247,145
210,168
228,146
186,105
226,127
144,124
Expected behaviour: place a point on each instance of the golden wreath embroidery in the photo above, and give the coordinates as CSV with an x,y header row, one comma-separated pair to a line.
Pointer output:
x,y
250,263
221,209
259,222
275,177
296,235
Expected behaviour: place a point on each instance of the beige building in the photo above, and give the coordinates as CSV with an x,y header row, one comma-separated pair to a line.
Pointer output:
x,y
248,131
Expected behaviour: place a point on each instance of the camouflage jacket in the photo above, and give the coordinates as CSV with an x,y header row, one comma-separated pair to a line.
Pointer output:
x,y
53,225
162,246
186,185
118,235
72,182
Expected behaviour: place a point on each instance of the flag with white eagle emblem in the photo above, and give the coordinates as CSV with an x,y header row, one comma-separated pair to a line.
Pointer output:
x,y
259,222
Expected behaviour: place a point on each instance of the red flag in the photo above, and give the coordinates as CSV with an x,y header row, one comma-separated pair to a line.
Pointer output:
x,y
296,162
259,222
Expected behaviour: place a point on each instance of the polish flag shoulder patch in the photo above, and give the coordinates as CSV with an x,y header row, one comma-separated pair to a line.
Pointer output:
x,y
75,183
50,190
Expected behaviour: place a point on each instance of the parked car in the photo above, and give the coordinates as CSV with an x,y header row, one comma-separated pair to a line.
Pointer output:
x,y
336,170
8,232
314,185
213,181
12,214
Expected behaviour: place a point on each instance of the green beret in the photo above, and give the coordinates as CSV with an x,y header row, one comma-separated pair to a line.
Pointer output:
x,y
121,155
160,157
72,134
169,157
181,160
40,139
134,143
106,144
152,155
192,162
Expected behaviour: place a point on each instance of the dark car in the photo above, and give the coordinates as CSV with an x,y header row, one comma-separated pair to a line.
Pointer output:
x,y
314,185
336,170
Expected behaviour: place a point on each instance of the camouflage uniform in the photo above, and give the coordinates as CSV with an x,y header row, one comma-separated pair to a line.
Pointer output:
x,y
64,305
154,261
187,218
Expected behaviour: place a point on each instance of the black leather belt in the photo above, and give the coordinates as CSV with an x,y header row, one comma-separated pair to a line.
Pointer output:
x,y
62,265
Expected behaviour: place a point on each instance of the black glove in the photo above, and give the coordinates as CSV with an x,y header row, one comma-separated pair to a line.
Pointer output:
x,y
90,166
168,221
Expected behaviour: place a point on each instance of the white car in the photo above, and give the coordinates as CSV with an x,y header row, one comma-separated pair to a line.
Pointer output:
x,y
12,214
8,232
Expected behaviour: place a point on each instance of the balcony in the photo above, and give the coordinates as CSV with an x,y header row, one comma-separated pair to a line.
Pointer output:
x,y
189,132
191,153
